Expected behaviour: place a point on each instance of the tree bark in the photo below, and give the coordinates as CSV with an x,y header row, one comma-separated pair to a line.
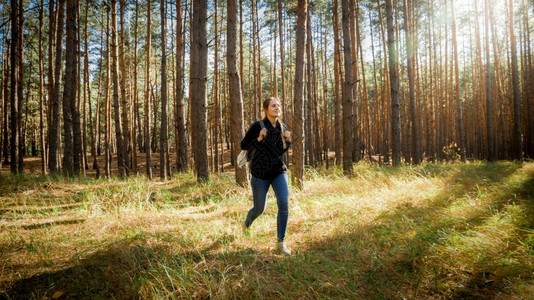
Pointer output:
x,y
235,97
148,148
517,142
298,100
164,138
348,129
14,137
54,127
121,153
416,138
181,147
489,109
199,65
123,95
459,110
41,93
337,100
394,81
69,92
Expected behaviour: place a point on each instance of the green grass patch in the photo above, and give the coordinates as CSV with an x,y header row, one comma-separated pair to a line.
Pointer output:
x,y
430,231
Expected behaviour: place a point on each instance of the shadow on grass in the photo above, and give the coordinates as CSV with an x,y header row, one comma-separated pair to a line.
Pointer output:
x,y
111,273
49,224
394,256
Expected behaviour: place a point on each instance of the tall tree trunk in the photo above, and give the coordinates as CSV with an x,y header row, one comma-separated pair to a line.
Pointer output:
x,y
489,109
127,146
394,81
199,65
164,137
458,100
107,114
215,93
337,100
14,138
54,123
235,96
355,121
121,153
135,113
181,147
517,142
77,155
92,127
52,28
416,138
347,91
308,132
298,100
69,92
148,148
282,55
41,92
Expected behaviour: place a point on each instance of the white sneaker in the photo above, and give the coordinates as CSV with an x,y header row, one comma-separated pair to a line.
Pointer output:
x,y
283,249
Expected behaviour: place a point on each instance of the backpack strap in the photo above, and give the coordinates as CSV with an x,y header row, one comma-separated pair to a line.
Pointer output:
x,y
262,124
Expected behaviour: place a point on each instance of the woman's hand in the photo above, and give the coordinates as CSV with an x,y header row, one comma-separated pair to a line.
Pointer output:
x,y
263,134
287,136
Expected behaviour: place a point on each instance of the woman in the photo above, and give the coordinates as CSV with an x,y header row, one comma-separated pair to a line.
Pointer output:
x,y
266,141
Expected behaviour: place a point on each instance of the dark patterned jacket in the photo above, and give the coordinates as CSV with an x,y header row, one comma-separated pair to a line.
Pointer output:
x,y
265,156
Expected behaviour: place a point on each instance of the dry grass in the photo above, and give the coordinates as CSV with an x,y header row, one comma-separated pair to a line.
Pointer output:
x,y
426,232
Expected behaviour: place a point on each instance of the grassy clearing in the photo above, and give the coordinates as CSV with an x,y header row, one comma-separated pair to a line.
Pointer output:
x,y
427,232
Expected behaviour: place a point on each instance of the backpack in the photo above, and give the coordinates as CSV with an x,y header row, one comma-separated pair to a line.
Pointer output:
x,y
244,156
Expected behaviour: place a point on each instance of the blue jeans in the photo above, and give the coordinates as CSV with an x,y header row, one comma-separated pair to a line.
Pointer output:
x,y
260,187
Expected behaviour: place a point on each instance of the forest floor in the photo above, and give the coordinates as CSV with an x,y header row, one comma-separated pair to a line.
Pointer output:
x,y
433,231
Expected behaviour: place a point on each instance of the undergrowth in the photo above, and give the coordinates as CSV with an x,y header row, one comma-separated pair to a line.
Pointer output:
x,y
431,231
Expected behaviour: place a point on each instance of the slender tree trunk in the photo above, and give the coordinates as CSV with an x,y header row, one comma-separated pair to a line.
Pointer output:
x,y
394,80
308,132
54,127
164,137
337,100
199,65
181,147
92,127
14,138
69,92
41,92
148,148
282,55
459,110
124,107
215,93
517,142
77,155
347,92
121,151
235,96
298,100
135,112
410,68
51,77
355,121
4,97
107,114
489,109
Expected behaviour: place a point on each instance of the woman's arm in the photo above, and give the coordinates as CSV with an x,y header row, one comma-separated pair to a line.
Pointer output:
x,y
251,137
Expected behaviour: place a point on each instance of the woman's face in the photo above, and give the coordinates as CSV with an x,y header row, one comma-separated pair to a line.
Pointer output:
x,y
273,110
